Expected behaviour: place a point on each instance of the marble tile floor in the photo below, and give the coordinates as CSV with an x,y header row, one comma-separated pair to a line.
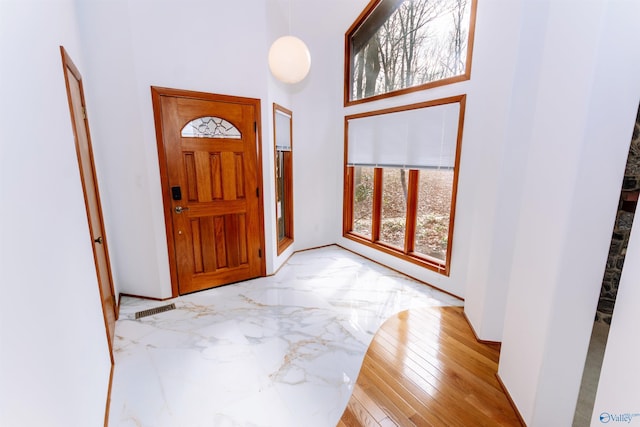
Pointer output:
x,y
283,350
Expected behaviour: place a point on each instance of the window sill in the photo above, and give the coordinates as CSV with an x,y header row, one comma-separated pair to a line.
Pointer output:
x,y
414,258
284,244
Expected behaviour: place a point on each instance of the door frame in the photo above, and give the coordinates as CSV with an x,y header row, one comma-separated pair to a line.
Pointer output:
x,y
69,67
156,94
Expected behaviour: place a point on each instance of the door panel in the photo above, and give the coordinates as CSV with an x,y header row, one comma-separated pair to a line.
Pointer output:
x,y
84,152
208,147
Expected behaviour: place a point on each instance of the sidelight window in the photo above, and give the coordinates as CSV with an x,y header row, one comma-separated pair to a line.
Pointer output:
x,y
282,128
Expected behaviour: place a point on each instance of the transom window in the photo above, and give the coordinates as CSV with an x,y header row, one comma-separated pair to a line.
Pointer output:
x,y
210,127
399,46
401,176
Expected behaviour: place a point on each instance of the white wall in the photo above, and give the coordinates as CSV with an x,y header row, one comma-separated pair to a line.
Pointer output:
x,y
278,13
493,167
319,117
619,384
54,360
216,47
577,126
109,72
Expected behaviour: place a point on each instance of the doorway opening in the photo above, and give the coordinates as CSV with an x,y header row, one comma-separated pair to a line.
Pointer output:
x,y
617,251
89,180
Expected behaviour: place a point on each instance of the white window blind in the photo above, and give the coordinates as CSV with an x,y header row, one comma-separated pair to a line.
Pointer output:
x,y
283,131
411,139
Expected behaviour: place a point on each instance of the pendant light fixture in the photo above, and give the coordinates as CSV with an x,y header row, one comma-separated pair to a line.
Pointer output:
x,y
289,57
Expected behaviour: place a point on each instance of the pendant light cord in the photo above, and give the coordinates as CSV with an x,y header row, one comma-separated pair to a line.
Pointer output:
x,y
290,12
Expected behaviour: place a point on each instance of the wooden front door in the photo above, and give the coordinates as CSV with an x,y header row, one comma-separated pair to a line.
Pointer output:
x,y
208,149
75,95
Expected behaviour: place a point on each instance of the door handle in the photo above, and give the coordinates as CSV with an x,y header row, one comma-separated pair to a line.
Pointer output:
x,y
180,209
98,240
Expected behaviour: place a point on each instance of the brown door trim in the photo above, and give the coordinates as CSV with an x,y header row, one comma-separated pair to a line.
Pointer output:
x,y
101,239
156,94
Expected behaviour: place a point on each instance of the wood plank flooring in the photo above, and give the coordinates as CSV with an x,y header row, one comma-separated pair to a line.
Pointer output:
x,y
426,368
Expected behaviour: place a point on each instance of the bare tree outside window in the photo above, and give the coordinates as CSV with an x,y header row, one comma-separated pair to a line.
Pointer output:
x,y
416,42
363,200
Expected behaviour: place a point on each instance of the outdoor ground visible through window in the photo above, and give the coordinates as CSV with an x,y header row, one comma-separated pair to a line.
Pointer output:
x,y
362,200
434,206
393,220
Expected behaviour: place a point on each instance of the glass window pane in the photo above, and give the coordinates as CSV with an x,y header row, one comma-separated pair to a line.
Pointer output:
x,y
362,200
434,208
280,208
282,121
408,43
393,218
210,127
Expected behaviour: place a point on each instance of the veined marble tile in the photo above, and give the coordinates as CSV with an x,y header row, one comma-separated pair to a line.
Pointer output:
x,y
274,351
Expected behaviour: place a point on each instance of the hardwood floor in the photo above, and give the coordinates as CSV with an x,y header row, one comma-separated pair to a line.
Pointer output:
x,y
426,368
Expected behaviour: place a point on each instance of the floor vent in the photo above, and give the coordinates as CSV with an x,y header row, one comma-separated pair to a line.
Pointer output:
x,y
152,311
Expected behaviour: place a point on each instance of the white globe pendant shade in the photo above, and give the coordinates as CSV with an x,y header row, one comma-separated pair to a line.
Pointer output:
x,y
289,59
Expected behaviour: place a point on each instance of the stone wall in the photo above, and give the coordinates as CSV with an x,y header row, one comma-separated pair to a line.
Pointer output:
x,y
621,230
